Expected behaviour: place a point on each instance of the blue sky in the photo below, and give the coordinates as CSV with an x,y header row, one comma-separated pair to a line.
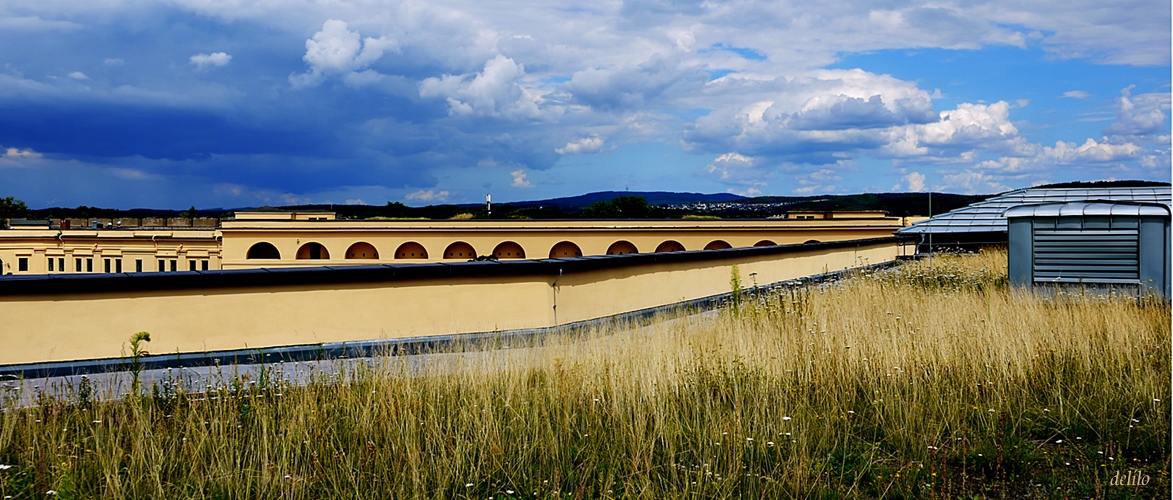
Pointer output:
x,y
218,103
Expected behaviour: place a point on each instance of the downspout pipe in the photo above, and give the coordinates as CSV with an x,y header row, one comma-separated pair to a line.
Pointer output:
x,y
554,285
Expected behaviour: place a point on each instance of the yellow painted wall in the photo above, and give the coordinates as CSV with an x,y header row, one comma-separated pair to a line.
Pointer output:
x,y
70,327
537,238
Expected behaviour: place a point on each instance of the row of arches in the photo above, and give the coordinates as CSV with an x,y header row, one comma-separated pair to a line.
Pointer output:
x,y
464,251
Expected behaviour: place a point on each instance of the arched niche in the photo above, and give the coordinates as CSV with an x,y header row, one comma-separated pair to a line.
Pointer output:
x,y
621,248
765,243
508,250
411,250
565,249
670,246
717,245
460,250
362,250
313,251
263,250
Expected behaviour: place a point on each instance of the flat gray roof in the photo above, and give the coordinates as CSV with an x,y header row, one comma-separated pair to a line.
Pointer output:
x,y
1088,208
989,215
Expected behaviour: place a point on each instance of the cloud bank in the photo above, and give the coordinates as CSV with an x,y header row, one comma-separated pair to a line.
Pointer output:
x,y
441,102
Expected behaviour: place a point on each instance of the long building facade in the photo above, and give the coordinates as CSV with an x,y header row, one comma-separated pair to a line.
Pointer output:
x,y
298,239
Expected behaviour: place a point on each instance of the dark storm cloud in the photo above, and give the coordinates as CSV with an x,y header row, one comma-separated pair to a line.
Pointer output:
x,y
295,100
108,130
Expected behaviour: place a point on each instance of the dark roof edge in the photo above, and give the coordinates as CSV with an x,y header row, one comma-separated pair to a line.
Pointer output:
x,y
326,275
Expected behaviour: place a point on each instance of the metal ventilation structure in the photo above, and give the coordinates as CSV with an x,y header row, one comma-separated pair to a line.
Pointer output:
x,y
1090,242
984,222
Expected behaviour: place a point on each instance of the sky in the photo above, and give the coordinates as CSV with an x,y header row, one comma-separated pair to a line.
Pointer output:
x,y
231,103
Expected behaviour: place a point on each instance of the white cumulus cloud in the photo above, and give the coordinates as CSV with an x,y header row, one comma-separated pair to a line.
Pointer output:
x,y
915,181
495,91
215,59
739,171
1066,154
519,179
969,125
336,50
972,182
805,118
15,153
427,196
1090,151
730,166
1140,115
584,146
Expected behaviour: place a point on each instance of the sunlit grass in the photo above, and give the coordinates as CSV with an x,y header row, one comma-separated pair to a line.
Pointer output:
x,y
920,382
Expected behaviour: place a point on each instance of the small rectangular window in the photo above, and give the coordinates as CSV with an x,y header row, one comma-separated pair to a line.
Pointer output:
x,y
107,264
138,265
117,265
89,264
22,264
51,264
204,265
77,264
162,265
174,265
191,265
61,263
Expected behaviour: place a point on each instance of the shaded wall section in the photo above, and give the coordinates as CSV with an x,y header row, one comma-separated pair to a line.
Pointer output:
x,y
72,317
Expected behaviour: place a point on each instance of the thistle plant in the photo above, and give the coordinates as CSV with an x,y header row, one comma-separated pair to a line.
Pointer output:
x,y
735,289
137,351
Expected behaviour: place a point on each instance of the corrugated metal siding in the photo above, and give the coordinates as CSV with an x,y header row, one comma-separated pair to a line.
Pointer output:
x,y
1074,255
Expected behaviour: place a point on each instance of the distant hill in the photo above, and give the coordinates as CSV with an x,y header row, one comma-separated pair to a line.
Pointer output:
x,y
665,204
896,204
553,208
653,197
720,204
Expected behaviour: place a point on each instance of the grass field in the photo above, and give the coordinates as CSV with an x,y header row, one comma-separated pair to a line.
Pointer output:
x,y
919,382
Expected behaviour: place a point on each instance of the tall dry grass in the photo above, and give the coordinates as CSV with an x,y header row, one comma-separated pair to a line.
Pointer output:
x,y
919,382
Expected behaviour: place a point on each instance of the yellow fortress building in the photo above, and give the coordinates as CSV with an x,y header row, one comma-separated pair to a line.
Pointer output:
x,y
274,239
299,285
